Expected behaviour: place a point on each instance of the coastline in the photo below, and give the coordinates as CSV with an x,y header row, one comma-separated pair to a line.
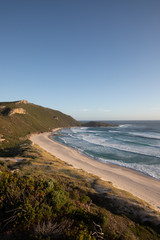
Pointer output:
x,y
134,182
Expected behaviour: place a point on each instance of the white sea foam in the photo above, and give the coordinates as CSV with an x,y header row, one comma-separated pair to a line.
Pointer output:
x,y
64,140
78,129
119,143
146,135
92,131
113,131
151,170
125,125
93,139
149,151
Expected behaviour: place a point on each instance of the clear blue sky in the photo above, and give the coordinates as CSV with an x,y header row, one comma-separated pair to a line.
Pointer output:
x,y
92,59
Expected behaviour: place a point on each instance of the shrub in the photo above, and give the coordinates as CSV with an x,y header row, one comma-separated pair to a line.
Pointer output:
x,y
26,200
28,204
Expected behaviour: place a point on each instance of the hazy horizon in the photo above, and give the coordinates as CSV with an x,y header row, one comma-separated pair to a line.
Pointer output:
x,y
118,120
89,59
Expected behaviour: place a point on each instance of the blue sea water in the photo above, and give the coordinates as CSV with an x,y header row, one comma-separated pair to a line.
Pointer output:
x,y
133,144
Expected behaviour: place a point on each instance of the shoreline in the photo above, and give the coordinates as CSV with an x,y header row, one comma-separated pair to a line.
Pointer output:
x,y
138,184
96,159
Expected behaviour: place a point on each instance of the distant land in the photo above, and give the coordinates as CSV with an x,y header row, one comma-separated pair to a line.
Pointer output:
x,y
99,124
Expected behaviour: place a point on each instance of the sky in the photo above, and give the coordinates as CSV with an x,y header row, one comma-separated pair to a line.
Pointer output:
x,y
91,59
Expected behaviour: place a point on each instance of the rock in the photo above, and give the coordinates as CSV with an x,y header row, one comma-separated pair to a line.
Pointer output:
x,y
17,110
22,101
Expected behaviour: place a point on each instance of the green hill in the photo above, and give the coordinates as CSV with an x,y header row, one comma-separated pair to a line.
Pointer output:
x,y
21,118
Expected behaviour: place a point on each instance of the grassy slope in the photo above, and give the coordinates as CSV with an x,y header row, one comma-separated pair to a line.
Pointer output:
x,y
37,119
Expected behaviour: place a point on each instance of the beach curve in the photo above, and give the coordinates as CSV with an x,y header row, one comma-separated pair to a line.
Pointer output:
x,y
134,182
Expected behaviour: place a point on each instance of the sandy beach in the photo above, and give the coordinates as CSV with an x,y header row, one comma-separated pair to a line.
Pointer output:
x,y
138,184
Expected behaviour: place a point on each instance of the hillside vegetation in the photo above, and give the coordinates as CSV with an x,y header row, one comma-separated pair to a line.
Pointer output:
x,y
43,198
19,119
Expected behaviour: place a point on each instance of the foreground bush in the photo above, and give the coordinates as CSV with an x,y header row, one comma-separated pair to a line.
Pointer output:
x,y
33,208
40,209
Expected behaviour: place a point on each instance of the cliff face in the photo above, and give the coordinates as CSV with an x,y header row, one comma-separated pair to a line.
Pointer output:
x,y
22,101
17,110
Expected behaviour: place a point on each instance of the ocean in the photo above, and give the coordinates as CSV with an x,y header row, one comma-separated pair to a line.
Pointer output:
x,y
133,144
